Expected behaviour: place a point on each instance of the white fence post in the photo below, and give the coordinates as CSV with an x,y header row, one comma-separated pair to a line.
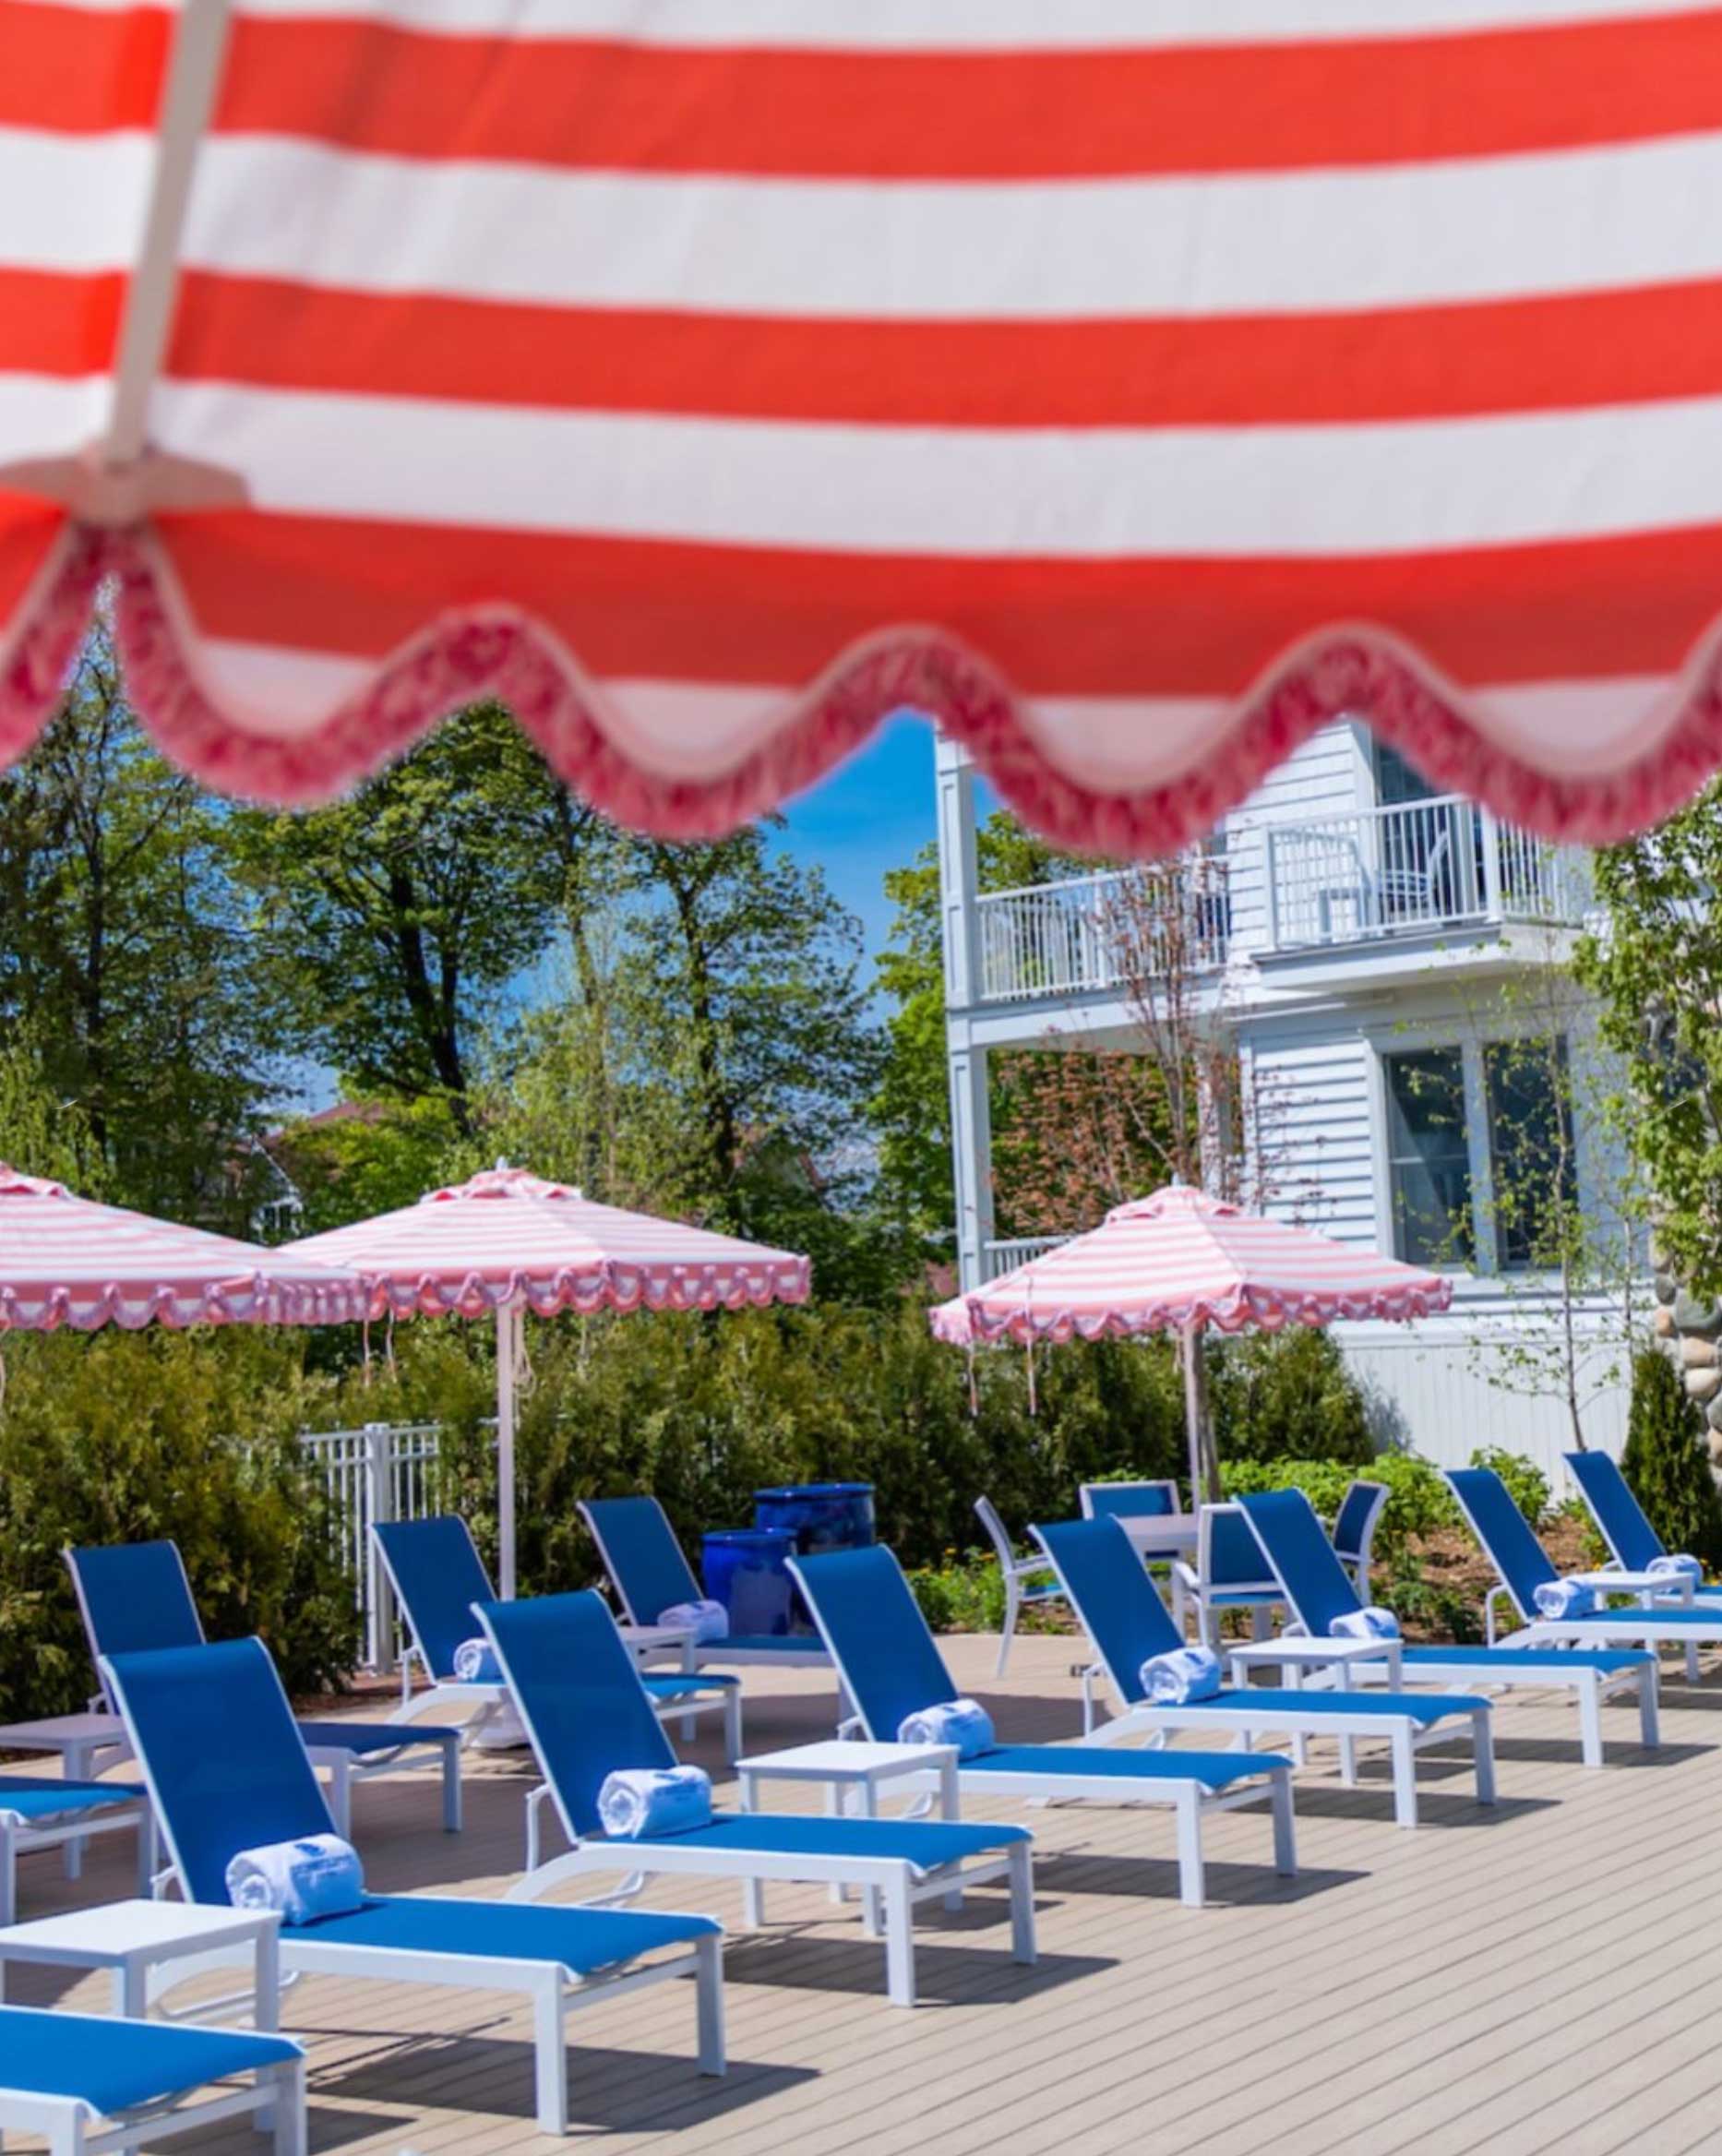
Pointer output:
x,y
379,1505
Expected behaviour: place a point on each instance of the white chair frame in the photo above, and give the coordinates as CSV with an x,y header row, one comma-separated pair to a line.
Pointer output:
x,y
716,1652
1589,1687
1192,1587
1190,1802
1016,1572
273,2097
68,1830
343,1767
486,1704
1324,1716
553,1990
1357,1562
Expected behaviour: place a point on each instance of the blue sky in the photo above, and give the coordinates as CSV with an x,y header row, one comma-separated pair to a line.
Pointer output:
x,y
872,814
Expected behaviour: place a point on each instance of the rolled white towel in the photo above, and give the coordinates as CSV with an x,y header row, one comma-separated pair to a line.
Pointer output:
x,y
962,1722
705,1618
1183,1673
475,1663
651,1800
1678,1568
317,1876
1564,1597
1374,1623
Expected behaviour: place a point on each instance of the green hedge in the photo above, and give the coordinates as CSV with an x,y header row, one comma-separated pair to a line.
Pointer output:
x,y
124,1437
703,1410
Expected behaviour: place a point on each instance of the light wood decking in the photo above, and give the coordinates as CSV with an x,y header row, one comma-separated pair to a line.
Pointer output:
x,y
1537,1978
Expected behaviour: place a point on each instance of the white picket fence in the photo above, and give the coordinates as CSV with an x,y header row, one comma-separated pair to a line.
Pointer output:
x,y
381,1471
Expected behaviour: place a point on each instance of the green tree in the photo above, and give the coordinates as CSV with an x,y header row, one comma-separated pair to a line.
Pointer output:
x,y
743,978
1667,1461
910,1110
371,1157
396,922
1656,962
124,953
1562,1211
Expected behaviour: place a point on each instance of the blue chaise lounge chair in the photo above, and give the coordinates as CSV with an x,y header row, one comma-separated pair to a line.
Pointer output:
x,y
134,1597
227,1771
649,1574
1634,1543
1317,1591
892,1668
1523,1566
578,1694
439,1579
1128,1624
84,2083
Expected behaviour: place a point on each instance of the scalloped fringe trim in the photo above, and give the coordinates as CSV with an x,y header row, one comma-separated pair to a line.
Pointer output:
x,y
498,651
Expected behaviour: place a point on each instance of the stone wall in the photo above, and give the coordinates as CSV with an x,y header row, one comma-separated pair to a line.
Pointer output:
x,y
1692,1325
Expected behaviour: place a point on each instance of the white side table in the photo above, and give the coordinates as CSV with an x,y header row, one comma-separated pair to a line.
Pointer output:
x,y
132,1937
81,1741
1341,1658
87,1745
853,1772
647,1641
1673,1588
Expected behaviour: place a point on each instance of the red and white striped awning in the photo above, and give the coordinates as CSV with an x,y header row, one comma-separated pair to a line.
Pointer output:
x,y
1180,1260
1130,384
67,1261
507,1237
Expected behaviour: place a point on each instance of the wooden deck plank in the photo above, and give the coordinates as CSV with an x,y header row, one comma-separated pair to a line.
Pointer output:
x,y
1532,1981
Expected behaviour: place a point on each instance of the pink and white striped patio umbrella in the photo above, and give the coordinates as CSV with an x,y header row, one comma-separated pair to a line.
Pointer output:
x,y
1180,1261
507,1241
68,1261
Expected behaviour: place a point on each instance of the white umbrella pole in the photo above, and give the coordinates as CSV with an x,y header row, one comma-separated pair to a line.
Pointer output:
x,y
509,1344
1194,1391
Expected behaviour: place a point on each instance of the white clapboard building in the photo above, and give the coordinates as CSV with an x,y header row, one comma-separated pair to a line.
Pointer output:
x,y
1365,944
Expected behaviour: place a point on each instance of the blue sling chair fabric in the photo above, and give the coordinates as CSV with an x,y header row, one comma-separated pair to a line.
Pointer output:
x,y
581,1698
651,1574
440,1579
1317,1590
1524,1564
1123,1615
27,1797
1356,1508
893,1667
116,2065
228,1772
136,1598
1631,1540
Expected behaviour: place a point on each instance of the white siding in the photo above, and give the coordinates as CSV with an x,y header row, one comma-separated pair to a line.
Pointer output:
x,y
1434,1394
1310,1086
1328,776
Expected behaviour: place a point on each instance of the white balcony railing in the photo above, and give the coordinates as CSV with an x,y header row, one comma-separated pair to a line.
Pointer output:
x,y
1410,869
1101,931
998,1258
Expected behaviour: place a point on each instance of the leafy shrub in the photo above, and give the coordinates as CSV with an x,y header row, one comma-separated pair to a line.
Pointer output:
x,y
121,1436
1287,1396
961,1595
1418,1501
1526,1484
703,1410
1666,1460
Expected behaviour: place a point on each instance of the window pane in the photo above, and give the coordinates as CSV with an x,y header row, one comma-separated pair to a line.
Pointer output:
x,y
1395,780
1429,1157
1530,1138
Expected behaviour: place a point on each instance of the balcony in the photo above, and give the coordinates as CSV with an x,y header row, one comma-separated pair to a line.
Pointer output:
x,y
998,1258
1411,869
1102,932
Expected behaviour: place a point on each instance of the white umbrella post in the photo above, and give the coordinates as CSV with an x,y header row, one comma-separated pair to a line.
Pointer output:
x,y
510,1321
1195,1416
